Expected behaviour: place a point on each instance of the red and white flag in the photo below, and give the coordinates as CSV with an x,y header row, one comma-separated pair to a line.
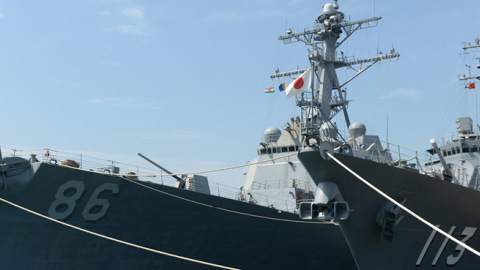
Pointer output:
x,y
301,84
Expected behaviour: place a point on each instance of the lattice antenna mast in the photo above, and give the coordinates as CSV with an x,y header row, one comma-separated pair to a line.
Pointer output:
x,y
476,45
324,42
467,49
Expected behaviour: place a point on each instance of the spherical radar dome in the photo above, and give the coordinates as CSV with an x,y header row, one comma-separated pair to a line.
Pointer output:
x,y
272,134
328,7
357,129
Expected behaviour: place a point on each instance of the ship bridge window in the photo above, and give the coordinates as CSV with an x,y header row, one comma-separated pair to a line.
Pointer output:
x,y
453,152
444,153
465,150
458,150
284,149
474,149
291,148
449,153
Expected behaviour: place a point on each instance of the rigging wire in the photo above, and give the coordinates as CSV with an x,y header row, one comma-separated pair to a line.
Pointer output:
x,y
384,98
379,95
279,109
453,110
387,91
443,122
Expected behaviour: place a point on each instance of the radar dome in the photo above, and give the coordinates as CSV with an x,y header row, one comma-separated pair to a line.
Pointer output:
x,y
272,134
357,129
328,7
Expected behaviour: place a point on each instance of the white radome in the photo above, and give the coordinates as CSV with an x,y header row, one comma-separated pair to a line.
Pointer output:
x,y
328,7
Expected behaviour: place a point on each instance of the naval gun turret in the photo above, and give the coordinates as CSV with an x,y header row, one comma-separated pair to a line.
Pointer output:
x,y
192,182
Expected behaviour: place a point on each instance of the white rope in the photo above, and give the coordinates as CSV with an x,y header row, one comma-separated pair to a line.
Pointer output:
x,y
114,239
207,205
359,148
405,208
214,170
224,209
381,156
420,166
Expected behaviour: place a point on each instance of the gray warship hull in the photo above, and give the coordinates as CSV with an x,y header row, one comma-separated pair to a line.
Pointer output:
x,y
185,223
414,245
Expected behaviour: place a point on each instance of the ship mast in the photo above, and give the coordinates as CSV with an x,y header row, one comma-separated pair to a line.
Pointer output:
x,y
466,49
317,106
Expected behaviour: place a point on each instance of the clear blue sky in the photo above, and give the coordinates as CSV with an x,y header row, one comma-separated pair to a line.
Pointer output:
x,y
182,81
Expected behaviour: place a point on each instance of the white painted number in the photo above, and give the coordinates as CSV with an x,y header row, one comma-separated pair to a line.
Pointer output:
x,y
468,232
71,201
62,200
96,202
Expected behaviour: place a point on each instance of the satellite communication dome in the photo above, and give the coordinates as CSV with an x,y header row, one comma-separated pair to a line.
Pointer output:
x,y
357,129
271,134
328,7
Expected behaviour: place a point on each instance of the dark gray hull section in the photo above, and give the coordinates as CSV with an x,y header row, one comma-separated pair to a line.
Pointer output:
x,y
160,221
437,201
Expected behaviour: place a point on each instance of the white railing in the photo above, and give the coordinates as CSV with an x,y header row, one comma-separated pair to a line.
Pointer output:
x,y
86,162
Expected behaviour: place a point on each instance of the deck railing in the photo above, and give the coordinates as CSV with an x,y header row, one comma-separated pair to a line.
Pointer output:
x,y
87,162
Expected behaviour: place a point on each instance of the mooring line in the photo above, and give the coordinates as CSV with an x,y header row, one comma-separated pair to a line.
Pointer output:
x,y
224,209
117,240
405,208
207,205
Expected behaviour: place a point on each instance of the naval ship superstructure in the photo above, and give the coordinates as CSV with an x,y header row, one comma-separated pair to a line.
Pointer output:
x,y
280,184
63,211
94,214
397,218
288,179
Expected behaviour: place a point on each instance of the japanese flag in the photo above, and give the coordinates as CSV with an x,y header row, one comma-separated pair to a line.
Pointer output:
x,y
300,85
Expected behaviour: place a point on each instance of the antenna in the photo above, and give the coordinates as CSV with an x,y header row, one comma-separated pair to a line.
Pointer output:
x,y
373,8
285,27
388,147
378,39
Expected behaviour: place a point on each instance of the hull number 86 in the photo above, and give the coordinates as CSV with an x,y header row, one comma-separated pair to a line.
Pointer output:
x,y
61,200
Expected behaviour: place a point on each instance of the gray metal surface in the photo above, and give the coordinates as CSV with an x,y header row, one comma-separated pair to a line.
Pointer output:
x,y
446,204
446,193
185,223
